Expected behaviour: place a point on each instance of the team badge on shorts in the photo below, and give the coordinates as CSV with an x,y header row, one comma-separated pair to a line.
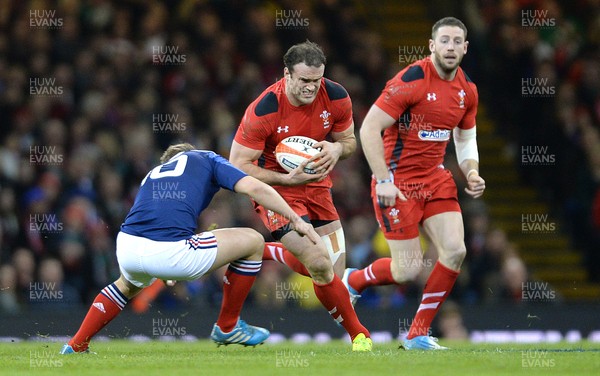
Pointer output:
x,y
273,220
394,215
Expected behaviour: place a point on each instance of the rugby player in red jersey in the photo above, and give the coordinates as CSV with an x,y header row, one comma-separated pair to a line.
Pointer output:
x,y
304,103
416,112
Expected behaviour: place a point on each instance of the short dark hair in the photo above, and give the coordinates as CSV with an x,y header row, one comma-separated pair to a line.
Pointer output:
x,y
174,150
307,52
448,21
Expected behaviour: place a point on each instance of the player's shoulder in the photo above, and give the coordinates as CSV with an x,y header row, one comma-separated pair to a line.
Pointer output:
x,y
203,160
470,84
266,104
413,73
200,156
465,76
268,101
410,79
409,82
334,90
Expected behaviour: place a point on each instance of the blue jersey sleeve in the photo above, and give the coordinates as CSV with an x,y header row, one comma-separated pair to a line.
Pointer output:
x,y
226,174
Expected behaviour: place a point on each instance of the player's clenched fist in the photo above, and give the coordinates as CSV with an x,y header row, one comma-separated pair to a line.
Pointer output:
x,y
475,185
388,193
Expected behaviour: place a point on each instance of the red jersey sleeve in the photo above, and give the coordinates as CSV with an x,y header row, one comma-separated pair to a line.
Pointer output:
x,y
254,130
342,113
468,121
340,104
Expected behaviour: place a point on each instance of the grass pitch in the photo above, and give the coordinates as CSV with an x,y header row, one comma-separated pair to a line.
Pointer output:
x,y
120,357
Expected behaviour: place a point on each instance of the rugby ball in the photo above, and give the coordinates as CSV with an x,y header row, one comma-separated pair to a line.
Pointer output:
x,y
293,150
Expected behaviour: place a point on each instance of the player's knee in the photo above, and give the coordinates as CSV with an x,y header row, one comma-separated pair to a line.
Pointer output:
x,y
405,272
127,288
453,254
254,240
320,268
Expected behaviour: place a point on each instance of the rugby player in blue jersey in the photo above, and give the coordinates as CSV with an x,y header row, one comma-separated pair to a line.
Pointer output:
x,y
158,240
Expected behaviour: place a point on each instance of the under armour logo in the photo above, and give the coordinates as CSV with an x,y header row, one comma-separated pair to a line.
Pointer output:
x,y
431,96
285,129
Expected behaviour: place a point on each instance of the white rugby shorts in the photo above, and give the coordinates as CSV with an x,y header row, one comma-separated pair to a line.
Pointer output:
x,y
142,260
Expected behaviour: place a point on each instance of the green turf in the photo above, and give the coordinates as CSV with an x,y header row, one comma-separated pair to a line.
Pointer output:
x,y
335,358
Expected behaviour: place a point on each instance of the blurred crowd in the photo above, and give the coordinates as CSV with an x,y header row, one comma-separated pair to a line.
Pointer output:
x,y
544,91
92,93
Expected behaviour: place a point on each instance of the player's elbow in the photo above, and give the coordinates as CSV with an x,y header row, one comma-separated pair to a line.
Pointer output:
x,y
367,132
242,164
257,190
236,160
349,147
239,158
362,132
353,144
249,186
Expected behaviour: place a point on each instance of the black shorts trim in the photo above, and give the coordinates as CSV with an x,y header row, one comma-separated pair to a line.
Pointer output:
x,y
280,232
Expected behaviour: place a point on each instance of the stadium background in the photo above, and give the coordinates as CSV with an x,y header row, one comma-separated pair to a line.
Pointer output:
x,y
91,92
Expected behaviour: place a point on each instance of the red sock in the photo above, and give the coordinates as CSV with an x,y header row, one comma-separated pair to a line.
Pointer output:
x,y
107,305
237,283
438,287
378,273
334,297
277,252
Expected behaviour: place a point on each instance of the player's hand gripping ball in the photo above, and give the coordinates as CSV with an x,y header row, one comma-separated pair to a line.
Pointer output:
x,y
293,150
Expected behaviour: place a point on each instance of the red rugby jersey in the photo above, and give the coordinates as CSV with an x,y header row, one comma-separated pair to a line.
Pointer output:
x,y
271,118
426,109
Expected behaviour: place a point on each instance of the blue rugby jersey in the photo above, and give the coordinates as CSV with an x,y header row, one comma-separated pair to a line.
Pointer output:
x,y
172,195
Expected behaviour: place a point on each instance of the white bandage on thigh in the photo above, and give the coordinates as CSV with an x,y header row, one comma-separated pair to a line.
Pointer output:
x,y
335,243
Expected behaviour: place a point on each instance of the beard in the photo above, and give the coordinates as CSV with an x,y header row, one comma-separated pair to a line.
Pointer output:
x,y
448,66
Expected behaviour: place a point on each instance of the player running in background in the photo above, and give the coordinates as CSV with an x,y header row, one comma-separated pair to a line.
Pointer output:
x,y
417,111
158,240
304,103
